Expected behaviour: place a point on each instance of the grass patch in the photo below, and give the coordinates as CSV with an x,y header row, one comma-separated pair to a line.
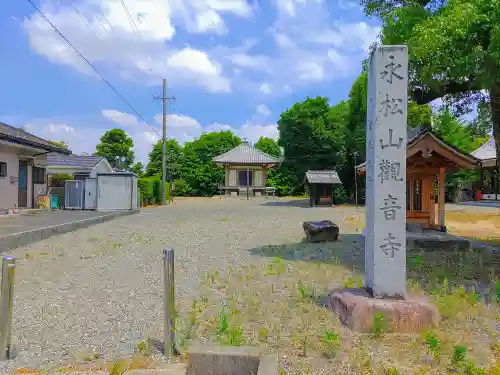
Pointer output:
x,y
277,305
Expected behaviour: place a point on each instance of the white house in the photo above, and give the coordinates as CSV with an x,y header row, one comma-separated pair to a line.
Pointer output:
x,y
78,166
23,159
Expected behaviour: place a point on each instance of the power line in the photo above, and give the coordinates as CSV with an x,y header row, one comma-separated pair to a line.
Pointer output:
x,y
93,67
131,20
96,16
83,18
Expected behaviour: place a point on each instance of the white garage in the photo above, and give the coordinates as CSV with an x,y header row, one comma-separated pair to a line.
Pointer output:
x,y
117,191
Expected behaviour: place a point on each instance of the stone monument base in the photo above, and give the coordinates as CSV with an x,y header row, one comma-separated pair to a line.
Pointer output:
x,y
357,309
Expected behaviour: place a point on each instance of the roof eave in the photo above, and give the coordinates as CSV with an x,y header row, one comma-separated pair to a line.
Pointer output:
x,y
35,144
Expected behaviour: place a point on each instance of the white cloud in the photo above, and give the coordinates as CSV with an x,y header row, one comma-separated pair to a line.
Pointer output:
x,y
118,48
265,88
263,110
59,128
195,65
121,118
311,45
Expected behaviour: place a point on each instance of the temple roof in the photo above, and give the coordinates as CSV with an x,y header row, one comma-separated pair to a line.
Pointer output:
x,y
322,177
414,135
486,151
245,154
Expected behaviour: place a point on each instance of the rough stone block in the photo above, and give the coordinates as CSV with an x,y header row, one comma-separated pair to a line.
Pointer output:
x,y
230,360
357,309
318,231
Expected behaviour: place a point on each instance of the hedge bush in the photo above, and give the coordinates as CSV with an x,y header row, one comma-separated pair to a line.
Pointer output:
x,y
150,190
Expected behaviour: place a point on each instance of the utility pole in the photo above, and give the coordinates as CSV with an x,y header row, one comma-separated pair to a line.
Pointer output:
x,y
165,99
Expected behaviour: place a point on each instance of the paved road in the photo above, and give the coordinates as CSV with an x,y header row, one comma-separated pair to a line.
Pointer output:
x,y
98,290
10,224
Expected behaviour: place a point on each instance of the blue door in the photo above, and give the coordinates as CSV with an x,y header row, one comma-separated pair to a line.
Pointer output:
x,y
22,197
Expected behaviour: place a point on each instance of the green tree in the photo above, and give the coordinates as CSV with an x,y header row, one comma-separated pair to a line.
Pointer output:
x,y
197,171
116,146
269,146
173,163
453,131
138,168
481,125
312,137
454,49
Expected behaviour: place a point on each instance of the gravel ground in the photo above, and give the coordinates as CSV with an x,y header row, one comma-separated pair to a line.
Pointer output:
x,y
98,291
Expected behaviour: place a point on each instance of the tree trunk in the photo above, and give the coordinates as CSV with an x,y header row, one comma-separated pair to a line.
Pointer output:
x,y
495,119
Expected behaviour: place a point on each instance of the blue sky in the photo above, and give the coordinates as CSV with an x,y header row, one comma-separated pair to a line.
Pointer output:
x,y
231,64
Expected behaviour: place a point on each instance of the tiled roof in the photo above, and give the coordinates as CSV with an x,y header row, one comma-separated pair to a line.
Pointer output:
x,y
245,154
20,136
75,161
486,151
322,177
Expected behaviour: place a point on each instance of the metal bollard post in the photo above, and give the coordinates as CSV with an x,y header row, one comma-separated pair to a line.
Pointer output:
x,y
7,296
169,349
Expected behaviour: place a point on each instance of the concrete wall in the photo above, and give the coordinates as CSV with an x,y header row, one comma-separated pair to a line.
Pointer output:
x,y
9,184
8,189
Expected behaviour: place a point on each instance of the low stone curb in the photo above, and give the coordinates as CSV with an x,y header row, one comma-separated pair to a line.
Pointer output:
x,y
171,370
14,240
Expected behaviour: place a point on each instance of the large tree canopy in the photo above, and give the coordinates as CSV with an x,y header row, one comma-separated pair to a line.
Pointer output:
x,y
454,48
312,136
116,147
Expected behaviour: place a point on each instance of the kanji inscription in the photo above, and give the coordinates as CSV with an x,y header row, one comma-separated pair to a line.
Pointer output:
x,y
391,70
385,193
390,207
390,246
390,170
391,106
391,142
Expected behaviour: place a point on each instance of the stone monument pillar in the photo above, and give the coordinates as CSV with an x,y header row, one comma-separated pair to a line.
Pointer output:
x,y
385,231
386,130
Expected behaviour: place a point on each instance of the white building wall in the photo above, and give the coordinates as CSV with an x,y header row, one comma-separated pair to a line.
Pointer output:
x,y
101,167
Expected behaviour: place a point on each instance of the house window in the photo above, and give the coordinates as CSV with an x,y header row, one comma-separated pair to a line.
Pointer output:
x,y
38,175
3,169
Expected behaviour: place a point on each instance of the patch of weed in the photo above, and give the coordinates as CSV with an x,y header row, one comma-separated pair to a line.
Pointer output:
x,y
263,334
276,267
433,344
143,347
304,292
354,282
380,325
459,355
118,368
330,344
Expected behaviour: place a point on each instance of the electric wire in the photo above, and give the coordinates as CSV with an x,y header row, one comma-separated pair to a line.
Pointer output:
x,y
92,66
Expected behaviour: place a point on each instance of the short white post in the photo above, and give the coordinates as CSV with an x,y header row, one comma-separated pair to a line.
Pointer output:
x,y
169,303
386,139
7,297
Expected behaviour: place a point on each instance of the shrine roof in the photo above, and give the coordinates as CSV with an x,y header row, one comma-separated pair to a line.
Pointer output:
x,y
245,154
415,135
322,177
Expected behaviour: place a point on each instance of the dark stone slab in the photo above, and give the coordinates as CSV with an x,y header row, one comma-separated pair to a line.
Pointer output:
x,y
318,231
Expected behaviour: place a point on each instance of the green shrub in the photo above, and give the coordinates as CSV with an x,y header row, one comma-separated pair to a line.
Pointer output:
x,y
57,180
150,189
340,194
